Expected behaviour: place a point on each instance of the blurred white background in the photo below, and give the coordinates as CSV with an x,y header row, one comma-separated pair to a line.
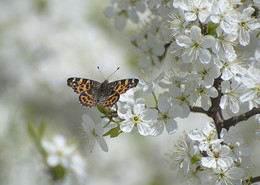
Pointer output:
x,y
44,42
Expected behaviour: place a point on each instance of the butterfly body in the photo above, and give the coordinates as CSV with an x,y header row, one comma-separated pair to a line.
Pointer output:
x,y
105,94
102,91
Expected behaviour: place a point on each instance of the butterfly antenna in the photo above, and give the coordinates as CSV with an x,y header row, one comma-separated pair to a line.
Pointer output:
x,y
100,72
109,75
113,72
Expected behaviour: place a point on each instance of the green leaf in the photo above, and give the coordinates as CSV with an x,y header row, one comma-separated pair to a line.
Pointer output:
x,y
41,128
102,110
32,131
211,29
114,132
36,136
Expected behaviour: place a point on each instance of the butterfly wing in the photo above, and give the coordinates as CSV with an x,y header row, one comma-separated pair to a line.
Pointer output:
x,y
111,93
87,88
80,85
121,86
88,98
93,92
108,98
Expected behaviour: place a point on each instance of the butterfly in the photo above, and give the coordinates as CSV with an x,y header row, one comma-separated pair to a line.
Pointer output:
x,y
105,94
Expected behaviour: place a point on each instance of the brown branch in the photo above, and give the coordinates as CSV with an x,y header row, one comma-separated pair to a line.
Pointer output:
x,y
243,117
252,180
215,112
166,47
198,109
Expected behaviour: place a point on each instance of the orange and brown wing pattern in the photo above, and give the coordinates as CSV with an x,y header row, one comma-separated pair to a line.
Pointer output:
x,y
93,92
88,98
81,84
121,86
109,100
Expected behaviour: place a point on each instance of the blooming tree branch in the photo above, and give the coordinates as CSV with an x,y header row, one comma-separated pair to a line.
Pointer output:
x,y
203,47
200,56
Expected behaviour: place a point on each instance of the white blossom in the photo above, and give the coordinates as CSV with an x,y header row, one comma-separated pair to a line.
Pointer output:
x,y
246,25
235,142
138,118
182,156
229,176
205,136
231,69
58,151
230,96
182,99
202,95
251,80
224,44
93,132
177,24
196,46
196,9
149,50
218,155
123,9
167,113
207,73
224,14
150,79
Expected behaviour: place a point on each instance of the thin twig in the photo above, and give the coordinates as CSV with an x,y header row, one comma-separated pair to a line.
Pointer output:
x,y
198,109
243,117
251,180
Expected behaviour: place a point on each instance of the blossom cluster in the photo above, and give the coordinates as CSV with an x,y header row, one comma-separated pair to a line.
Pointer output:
x,y
200,154
204,45
202,39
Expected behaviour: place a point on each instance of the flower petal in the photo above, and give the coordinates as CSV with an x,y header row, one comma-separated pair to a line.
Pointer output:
x,y
171,126
127,126
143,128
183,41
102,143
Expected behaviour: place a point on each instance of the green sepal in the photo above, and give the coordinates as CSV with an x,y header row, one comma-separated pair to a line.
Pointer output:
x,y
102,110
114,132
258,34
195,158
211,29
58,172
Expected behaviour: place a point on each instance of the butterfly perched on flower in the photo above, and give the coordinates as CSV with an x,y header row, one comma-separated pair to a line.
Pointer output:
x,y
105,94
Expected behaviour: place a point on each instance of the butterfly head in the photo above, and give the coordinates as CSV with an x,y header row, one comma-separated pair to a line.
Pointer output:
x,y
104,84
